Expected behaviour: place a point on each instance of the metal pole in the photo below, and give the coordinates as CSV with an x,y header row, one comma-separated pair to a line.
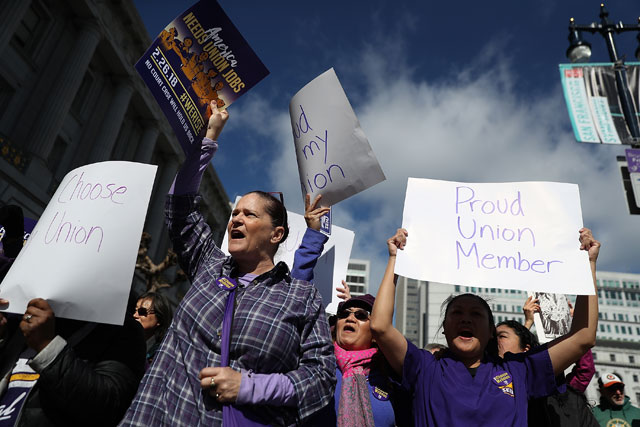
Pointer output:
x,y
621,78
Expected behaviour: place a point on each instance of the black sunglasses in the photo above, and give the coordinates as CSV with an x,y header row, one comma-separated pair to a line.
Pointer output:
x,y
143,312
359,314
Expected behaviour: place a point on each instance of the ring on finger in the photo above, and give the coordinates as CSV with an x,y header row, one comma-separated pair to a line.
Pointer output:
x,y
27,317
213,383
217,395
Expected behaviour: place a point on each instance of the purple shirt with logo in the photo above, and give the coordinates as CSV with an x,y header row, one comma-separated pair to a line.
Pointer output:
x,y
445,393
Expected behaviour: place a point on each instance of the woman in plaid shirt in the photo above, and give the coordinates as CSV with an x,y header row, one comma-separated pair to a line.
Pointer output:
x,y
281,355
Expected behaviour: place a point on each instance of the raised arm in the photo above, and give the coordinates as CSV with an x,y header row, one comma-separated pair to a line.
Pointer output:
x,y
306,256
191,236
392,343
567,349
531,306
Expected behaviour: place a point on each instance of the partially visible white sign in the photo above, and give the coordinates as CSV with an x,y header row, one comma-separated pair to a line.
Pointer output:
x,y
334,155
82,253
554,320
332,264
521,235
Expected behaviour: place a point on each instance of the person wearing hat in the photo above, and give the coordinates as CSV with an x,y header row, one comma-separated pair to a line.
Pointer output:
x,y
615,409
365,394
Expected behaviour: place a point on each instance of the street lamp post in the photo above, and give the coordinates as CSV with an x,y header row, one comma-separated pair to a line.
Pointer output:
x,y
580,51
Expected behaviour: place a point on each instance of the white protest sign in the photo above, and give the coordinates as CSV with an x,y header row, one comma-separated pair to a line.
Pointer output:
x,y
332,264
521,235
82,253
333,153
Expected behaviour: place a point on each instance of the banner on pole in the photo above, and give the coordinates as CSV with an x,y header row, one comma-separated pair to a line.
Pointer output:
x,y
592,100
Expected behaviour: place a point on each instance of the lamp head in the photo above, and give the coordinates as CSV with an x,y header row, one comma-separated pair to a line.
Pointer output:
x,y
579,50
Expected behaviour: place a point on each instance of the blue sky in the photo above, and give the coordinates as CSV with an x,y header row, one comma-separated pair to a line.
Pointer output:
x,y
462,91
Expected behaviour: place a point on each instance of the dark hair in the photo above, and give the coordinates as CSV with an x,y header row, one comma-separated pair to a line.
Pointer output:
x,y
162,309
524,335
276,210
435,346
492,345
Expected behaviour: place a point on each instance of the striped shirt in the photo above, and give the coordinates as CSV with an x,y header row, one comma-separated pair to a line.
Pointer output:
x,y
278,327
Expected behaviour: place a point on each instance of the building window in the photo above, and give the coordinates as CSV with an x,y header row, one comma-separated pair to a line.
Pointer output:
x,y
359,267
457,288
635,378
601,327
31,29
617,329
608,328
612,357
595,356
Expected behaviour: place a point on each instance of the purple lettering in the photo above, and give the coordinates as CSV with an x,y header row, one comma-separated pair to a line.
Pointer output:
x,y
537,263
458,202
473,248
473,233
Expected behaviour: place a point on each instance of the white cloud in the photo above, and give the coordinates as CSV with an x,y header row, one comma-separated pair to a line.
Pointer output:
x,y
474,127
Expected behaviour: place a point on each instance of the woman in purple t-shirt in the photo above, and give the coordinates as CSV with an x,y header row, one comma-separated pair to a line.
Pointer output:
x,y
469,384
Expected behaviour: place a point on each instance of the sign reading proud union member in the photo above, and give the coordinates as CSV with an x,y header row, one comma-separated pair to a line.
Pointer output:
x,y
516,235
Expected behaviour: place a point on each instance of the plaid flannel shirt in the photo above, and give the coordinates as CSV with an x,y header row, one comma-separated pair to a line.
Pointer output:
x,y
278,327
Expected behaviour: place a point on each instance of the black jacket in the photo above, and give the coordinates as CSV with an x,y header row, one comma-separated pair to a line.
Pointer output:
x,y
91,383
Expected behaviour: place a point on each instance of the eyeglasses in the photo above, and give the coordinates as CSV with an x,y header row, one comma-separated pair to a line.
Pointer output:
x,y
359,314
143,312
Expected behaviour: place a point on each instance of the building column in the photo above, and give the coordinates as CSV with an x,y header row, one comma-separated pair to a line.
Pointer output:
x,y
155,218
11,16
147,143
56,106
111,122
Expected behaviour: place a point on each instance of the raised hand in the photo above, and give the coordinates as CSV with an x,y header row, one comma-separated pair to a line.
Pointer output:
x,y
589,244
343,292
216,122
398,241
312,213
531,305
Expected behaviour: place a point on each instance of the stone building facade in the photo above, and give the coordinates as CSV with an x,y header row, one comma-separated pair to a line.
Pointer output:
x,y
69,96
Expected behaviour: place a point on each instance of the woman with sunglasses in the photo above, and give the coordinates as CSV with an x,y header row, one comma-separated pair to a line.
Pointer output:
x,y
242,311
469,385
365,395
154,312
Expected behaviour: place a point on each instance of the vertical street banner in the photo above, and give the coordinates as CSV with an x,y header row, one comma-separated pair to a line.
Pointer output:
x,y
333,153
633,163
200,56
593,104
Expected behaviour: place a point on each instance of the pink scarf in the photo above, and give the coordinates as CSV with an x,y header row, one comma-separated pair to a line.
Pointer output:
x,y
354,408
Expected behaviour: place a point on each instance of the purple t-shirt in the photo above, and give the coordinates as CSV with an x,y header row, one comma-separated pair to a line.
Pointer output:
x,y
445,393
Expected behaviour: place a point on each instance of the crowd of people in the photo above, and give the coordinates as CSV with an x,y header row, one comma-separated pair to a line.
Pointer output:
x,y
250,343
